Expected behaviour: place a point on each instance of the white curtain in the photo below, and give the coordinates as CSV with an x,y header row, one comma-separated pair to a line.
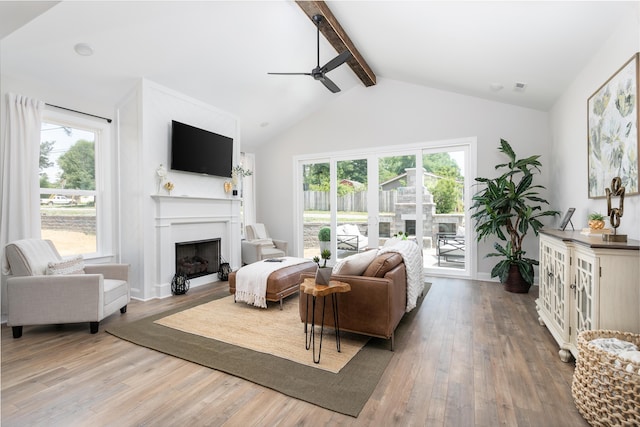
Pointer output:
x,y
20,160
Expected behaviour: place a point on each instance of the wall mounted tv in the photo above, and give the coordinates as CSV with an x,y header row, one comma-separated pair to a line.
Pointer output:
x,y
200,151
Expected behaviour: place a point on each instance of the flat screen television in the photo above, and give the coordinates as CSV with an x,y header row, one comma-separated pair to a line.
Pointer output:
x,y
200,151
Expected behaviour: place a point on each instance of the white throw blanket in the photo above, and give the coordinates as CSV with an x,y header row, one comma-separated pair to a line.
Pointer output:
x,y
412,256
251,280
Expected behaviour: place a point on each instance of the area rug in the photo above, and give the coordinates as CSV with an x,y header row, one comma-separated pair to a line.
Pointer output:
x,y
271,331
345,392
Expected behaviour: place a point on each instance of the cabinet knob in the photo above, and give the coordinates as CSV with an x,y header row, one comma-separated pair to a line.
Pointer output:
x,y
572,286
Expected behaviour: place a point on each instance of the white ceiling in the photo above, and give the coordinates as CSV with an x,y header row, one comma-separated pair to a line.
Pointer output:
x,y
220,51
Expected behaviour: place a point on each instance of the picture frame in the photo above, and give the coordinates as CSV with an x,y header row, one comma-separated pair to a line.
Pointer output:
x,y
567,219
612,122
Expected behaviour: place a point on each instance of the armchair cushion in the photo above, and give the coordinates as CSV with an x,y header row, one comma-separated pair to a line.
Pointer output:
x,y
30,257
70,265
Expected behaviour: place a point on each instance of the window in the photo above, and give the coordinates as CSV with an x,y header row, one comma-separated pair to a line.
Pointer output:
x,y
73,208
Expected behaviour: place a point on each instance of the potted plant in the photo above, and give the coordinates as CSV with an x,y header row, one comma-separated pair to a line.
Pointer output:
x,y
508,207
324,236
323,274
596,221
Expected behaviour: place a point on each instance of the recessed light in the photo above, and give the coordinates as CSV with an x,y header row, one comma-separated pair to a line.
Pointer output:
x,y
83,49
519,87
264,124
496,87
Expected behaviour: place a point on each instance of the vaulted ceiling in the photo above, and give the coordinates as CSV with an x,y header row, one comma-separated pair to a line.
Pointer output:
x,y
221,51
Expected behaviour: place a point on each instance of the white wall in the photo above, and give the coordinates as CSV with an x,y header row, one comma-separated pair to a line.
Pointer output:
x,y
144,129
389,113
568,122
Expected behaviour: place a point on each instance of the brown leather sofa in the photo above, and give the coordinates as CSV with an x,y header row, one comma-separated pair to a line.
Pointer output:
x,y
375,304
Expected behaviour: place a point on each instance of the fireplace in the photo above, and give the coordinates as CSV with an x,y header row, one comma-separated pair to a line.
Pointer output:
x,y
198,258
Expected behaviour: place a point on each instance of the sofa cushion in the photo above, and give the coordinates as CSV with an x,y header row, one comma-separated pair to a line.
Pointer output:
x,y
69,265
382,264
356,264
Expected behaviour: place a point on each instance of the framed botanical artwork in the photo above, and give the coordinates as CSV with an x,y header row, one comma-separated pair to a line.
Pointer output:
x,y
612,121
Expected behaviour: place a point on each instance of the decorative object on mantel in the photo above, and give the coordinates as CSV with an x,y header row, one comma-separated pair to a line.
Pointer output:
x,y
323,274
613,144
161,175
179,284
617,189
168,186
508,207
238,173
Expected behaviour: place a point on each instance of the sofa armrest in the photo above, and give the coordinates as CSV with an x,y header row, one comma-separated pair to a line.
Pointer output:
x,y
109,271
69,298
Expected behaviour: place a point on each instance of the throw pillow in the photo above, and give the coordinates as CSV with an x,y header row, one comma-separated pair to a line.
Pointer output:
x,y
356,264
69,265
382,264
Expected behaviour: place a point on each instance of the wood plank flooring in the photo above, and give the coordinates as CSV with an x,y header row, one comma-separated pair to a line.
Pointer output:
x,y
475,356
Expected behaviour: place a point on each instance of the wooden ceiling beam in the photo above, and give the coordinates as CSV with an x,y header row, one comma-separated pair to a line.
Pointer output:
x,y
338,38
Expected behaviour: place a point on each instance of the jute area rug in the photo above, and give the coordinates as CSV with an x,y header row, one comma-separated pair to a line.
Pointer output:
x,y
341,382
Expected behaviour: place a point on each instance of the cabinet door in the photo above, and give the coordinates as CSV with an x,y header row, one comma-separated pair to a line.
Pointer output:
x,y
584,288
554,276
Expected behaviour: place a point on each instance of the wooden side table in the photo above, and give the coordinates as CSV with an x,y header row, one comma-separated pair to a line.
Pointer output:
x,y
311,289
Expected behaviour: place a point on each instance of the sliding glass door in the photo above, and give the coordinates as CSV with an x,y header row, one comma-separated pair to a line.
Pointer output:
x,y
417,193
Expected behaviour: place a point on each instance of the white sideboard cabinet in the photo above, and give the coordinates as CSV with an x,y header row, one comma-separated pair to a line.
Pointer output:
x,y
587,283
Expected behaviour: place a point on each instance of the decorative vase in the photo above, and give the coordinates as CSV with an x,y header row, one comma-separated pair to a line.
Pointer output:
x,y
515,283
323,275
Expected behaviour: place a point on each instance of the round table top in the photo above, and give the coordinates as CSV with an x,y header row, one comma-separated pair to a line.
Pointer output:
x,y
309,286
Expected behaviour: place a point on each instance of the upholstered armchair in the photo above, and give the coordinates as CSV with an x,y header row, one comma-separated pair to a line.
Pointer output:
x,y
259,245
44,288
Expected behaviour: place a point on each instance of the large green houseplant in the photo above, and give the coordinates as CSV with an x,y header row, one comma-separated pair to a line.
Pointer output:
x,y
508,207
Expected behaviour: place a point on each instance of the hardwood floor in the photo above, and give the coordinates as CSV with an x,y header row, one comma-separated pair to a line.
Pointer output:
x,y
476,356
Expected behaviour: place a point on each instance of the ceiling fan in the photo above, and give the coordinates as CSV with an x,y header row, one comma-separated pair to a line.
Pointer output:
x,y
319,72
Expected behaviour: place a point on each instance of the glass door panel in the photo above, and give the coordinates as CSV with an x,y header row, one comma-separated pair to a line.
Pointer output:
x,y
396,197
317,206
445,237
352,217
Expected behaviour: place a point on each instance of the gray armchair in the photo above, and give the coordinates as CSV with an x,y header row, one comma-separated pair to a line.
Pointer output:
x,y
37,298
259,245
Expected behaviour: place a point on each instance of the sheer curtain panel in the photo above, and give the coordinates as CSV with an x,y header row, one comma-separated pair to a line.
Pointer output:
x,y
20,185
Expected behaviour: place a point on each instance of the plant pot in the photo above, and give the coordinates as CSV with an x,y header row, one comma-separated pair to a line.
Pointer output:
x,y
596,224
515,283
323,275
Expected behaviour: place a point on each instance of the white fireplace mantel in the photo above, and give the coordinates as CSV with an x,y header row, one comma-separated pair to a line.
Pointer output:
x,y
186,218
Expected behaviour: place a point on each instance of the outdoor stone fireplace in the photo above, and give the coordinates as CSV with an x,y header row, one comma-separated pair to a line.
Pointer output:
x,y
198,258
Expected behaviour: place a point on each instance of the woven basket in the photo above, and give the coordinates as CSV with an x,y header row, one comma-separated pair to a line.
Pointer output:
x,y
603,389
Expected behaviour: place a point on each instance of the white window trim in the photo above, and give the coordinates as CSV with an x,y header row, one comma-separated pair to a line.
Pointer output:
x,y
104,175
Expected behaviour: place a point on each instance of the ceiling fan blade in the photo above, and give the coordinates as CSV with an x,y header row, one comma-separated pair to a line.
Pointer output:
x,y
291,74
329,84
336,62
